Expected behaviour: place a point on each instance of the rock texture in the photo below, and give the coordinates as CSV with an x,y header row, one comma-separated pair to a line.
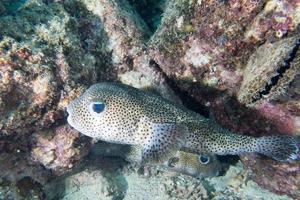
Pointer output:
x,y
269,174
241,61
59,149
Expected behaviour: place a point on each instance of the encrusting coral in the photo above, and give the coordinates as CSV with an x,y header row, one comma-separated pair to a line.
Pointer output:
x,y
59,149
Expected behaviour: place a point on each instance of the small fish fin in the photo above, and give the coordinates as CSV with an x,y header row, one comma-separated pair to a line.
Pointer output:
x,y
279,147
162,140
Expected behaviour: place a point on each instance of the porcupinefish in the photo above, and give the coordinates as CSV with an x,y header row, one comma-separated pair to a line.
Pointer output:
x,y
158,128
195,165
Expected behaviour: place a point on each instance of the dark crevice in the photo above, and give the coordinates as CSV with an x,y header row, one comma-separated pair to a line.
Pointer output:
x,y
129,62
227,161
280,73
29,188
187,101
190,102
150,11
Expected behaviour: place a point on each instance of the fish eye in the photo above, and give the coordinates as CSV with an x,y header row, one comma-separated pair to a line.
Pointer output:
x,y
97,107
204,159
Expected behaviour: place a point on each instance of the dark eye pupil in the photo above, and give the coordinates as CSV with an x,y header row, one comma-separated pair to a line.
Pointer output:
x,y
98,107
204,159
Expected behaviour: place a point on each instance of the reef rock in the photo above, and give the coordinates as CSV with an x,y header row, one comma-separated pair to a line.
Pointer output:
x,y
28,162
271,84
59,149
209,42
42,59
240,61
212,55
20,176
281,178
237,184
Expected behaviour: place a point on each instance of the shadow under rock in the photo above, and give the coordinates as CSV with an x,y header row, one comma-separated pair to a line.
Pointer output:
x,y
151,11
227,111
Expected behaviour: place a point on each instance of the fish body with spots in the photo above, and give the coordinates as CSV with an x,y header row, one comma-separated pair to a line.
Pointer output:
x,y
158,128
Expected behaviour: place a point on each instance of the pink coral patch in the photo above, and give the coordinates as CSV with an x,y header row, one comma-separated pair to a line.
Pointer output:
x,y
284,121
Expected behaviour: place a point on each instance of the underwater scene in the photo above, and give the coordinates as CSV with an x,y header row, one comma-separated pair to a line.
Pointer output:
x,y
149,99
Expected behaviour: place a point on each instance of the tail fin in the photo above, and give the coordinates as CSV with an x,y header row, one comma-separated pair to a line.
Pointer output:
x,y
279,147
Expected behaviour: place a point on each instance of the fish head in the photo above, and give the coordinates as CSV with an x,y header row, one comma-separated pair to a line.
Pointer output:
x,y
195,165
102,109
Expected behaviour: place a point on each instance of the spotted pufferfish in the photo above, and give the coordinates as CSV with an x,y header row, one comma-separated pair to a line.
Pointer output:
x,y
157,128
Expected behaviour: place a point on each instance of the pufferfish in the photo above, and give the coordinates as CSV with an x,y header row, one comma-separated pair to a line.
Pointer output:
x,y
196,165
157,128
191,164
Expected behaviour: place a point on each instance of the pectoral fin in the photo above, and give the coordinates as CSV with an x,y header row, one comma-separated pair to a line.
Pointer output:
x,y
161,141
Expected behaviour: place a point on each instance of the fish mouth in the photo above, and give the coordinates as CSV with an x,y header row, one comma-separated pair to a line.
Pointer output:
x,y
69,116
69,120
68,109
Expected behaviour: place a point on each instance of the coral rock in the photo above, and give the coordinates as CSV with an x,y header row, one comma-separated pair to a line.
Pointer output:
x,y
61,149
281,178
